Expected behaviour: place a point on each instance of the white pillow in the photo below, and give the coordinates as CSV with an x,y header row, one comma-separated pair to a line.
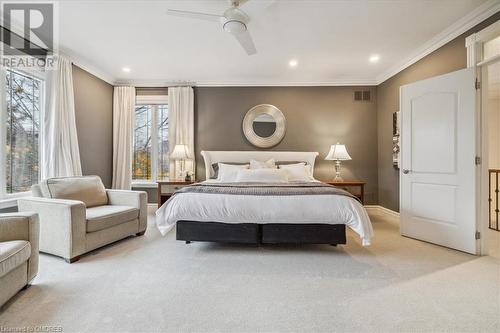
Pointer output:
x,y
270,164
298,172
229,172
262,176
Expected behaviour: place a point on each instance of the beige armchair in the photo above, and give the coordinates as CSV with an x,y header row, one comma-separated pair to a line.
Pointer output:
x,y
18,252
78,215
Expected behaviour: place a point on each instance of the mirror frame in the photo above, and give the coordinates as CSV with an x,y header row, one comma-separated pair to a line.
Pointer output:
x,y
259,141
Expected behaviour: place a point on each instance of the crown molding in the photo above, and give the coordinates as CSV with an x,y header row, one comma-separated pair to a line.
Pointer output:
x,y
153,83
87,66
100,74
475,17
340,82
160,83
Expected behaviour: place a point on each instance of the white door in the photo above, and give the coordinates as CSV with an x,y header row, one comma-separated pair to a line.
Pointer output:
x,y
438,167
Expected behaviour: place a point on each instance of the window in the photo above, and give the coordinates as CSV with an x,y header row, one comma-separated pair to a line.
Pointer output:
x,y
491,48
22,123
150,155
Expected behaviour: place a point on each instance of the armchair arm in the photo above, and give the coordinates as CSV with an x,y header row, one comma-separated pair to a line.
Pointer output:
x,y
62,224
137,199
22,226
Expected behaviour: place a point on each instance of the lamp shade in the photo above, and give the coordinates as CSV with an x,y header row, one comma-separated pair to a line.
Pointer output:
x,y
180,152
338,152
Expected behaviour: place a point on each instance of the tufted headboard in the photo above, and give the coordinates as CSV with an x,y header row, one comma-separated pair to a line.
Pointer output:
x,y
211,157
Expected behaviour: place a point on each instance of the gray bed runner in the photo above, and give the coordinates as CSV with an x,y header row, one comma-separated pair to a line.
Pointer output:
x,y
265,189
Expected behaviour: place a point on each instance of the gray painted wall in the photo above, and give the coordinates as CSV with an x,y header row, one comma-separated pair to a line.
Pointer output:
x,y
316,118
94,122
451,57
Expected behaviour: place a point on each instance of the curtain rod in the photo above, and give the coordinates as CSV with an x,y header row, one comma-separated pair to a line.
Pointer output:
x,y
151,88
161,88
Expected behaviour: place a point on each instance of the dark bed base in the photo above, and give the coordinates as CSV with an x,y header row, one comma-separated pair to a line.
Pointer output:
x,y
252,233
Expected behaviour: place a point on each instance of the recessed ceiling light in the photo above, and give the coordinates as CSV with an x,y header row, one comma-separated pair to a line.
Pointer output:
x,y
293,63
374,58
126,69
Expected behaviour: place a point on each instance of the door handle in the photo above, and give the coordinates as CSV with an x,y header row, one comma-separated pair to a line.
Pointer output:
x,y
406,171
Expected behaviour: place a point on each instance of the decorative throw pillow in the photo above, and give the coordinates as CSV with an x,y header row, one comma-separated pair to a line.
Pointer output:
x,y
270,164
298,172
263,175
215,167
229,172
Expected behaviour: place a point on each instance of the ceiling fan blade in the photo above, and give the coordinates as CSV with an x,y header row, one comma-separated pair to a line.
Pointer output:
x,y
195,15
246,42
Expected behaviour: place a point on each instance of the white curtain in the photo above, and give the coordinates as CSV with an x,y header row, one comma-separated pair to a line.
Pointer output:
x,y
60,153
181,126
123,122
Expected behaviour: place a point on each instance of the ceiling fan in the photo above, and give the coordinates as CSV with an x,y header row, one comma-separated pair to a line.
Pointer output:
x,y
233,21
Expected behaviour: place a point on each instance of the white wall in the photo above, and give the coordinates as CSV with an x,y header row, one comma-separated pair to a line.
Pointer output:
x,y
494,132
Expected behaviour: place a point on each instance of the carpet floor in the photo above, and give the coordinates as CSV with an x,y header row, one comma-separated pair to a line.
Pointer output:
x,y
154,283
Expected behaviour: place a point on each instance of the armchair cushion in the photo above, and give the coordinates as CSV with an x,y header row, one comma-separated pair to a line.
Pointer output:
x,y
104,217
22,227
88,189
13,254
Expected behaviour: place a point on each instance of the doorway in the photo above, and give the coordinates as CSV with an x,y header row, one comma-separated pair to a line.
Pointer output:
x,y
491,106
483,54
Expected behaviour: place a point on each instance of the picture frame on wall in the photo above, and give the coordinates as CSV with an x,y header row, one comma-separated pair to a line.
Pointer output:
x,y
396,149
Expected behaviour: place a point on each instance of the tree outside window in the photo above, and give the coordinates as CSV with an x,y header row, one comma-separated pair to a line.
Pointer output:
x,y
22,122
151,149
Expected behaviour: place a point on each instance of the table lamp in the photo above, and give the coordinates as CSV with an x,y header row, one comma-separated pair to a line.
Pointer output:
x,y
181,153
338,153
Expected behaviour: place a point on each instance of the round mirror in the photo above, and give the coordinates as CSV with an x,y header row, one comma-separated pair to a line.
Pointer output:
x,y
264,125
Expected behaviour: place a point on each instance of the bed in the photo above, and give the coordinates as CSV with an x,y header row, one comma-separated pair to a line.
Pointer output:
x,y
263,213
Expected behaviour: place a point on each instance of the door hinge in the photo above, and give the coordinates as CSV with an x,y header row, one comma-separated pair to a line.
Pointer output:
x,y
478,235
478,84
478,160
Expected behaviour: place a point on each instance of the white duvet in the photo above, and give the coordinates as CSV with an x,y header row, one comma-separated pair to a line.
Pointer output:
x,y
230,208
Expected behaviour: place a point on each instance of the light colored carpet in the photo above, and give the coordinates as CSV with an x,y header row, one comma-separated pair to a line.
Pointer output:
x,y
153,283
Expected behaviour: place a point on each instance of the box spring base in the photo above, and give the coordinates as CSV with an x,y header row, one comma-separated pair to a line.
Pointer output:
x,y
253,233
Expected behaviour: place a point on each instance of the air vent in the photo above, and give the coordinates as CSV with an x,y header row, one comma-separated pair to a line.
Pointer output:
x,y
358,95
362,95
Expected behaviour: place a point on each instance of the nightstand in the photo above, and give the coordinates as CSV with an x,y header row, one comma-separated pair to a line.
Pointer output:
x,y
347,184
167,188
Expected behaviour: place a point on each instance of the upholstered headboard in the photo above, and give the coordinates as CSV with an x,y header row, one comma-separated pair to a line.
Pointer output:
x,y
211,157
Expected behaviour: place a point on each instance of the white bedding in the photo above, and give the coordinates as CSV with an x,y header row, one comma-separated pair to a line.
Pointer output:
x,y
230,208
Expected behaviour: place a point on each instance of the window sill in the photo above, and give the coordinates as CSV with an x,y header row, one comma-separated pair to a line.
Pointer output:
x,y
10,200
144,184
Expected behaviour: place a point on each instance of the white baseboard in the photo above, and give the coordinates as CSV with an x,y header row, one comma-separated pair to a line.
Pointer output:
x,y
382,210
